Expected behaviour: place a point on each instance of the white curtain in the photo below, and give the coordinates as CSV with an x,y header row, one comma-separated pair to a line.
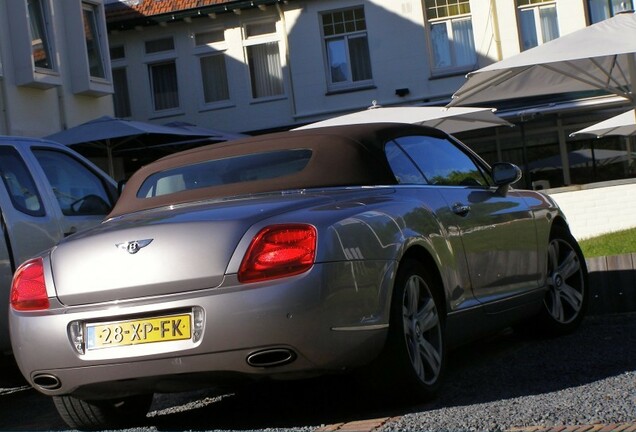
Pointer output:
x,y
359,54
265,70
463,43
549,24
441,46
214,78
164,85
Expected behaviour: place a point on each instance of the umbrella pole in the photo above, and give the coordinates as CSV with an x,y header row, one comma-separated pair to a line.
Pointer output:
x,y
524,155
631,65
109,155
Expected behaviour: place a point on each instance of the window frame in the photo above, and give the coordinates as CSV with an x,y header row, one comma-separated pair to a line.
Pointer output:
x,y
28,175
349,83
610,6
47,30
536,11
24,70
159,58
120,63
108,193
211,49
92,28
79,69
449,20
262,39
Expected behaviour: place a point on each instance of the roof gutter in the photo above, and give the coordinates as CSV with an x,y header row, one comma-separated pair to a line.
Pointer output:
x,y
198,12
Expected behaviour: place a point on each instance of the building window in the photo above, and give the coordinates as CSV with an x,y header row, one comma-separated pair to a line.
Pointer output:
x,y
117,52
159,45
263,59
210,47
40,41
121,97
537,22
600,10
163,81
214,78
92,35
451,32
162,72
347,48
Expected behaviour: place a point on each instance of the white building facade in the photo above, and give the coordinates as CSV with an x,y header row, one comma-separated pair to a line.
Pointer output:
x,y
253,66
54,65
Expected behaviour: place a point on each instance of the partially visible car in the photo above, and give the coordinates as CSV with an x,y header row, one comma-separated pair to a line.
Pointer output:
x,y
291,255
47,192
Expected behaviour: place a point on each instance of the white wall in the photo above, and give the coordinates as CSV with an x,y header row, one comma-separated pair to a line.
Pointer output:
x,y
39,110
598,208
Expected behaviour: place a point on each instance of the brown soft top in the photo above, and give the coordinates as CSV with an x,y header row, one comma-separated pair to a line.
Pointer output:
x,y
351,155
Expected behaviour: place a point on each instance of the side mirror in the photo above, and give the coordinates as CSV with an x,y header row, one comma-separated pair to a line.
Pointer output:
x,y
504,174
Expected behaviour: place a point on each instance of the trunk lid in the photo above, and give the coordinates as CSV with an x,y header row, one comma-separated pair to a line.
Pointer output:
x,y
161,251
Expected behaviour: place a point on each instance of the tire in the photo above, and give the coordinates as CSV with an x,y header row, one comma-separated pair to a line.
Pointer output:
x,y
101,414
567,298
415,354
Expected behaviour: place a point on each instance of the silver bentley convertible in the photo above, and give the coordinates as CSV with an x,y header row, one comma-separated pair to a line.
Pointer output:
x,y
291,255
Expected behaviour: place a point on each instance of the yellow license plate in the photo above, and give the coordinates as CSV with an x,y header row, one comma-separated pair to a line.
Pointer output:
x,y
138,331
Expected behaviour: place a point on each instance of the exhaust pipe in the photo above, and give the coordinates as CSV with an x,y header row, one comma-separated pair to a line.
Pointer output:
x,y
271,357
47,382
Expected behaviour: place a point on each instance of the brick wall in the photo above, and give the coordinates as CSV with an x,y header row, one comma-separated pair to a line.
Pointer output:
x,y
598,208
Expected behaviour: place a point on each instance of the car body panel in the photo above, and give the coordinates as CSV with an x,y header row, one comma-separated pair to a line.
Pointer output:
x,y
488,262
24,234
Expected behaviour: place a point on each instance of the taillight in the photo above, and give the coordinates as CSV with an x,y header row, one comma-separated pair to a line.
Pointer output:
x,y
28,290
279,251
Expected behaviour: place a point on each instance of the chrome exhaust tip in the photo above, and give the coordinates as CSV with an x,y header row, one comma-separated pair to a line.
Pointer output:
x,y
47,382
271,357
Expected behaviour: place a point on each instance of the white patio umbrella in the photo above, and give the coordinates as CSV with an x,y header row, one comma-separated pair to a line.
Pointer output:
x,y
598,57
622,124
450,120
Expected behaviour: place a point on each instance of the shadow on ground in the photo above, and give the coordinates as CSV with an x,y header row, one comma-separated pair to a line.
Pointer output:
x,y
501,367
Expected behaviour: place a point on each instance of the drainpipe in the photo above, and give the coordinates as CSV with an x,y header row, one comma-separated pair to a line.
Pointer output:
x,y
281,15
4,106
495,28
61,106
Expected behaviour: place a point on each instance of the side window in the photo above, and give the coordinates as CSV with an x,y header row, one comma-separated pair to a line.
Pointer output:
x,y
19,183
79,191
442,162
402,166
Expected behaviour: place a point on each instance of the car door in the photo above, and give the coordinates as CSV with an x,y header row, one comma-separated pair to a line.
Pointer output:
x,y
27,225
83,195
497,230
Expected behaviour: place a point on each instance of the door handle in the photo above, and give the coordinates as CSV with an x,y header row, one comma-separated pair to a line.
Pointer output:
x,y
71,230
461,209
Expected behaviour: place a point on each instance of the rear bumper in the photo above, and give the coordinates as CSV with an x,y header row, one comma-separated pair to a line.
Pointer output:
x,y
333,317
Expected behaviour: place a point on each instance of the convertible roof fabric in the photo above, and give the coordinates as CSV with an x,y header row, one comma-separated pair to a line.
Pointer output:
x,y
350,155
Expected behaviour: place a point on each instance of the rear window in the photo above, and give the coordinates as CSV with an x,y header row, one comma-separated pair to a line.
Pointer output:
x,y
231,170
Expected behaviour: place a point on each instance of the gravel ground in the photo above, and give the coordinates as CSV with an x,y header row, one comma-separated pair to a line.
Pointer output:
x,y
588,377
500,383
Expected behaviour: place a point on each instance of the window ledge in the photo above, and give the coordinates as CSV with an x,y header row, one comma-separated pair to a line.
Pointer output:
x,y
215,107
40,80
350,90
168,113
450,73
268,99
